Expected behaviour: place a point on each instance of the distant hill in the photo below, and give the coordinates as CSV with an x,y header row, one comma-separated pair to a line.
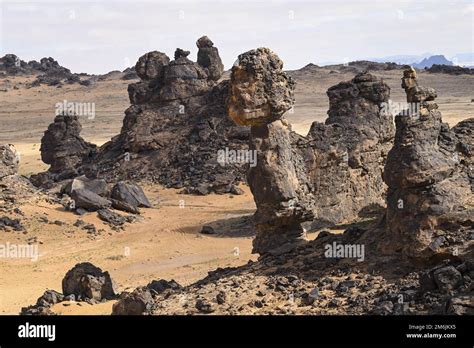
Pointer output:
x,y
428,62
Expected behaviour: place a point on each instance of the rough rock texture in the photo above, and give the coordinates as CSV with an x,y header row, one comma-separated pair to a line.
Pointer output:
x,y
430,183
349,151
208,57
62,146
43,304
142,299
98,186
332,175
86,281
130,194
150,66
450,69
175,127
9,160
306,281
89,200
138,302
260,93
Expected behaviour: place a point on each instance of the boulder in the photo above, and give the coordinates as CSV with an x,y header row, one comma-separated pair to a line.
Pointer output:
x,y
137,302
260,92
208,57
88,200
86,281
113,218
62,146
9,160
130,194
447,278
161,285
150,66
98,186
460,305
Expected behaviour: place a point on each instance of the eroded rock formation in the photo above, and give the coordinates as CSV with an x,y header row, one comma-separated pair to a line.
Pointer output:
x,y
260,93
9,160
176,125
333,174
430,182
349,150
63,148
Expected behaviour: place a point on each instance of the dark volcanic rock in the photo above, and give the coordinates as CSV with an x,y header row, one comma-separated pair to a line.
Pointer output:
x,y
208,57
161,285
151,65
113,218
176,126
62,146
429,175
260,93
137,302
88,200
86,281
450,69
15,224
9,160
98,186
349,150
333,174
130,194
460,305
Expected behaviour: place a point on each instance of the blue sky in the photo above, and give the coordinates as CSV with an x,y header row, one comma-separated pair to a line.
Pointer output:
x,y
99,36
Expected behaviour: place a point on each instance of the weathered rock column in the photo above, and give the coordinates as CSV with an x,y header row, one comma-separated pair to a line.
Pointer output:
x,y
429,199
260,92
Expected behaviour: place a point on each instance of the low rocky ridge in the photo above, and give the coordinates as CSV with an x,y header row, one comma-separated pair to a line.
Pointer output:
x,y
449,69
47,70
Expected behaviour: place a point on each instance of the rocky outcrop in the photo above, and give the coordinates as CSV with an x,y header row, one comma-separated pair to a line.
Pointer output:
x,y
9,160
430,183
86,281
450,69
208,57
48,70
260,93
142,299
349,151
176,126
332,175
62,147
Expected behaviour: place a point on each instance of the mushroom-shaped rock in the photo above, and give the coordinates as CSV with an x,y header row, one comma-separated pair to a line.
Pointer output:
x,y
260,92
150,65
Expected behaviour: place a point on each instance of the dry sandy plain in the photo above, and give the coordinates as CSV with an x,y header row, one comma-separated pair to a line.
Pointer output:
x,y
166,243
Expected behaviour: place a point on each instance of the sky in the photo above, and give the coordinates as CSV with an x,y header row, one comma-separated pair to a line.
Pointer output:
x,y
99,36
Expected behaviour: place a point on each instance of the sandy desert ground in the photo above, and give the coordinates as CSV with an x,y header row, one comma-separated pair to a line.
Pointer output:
x,y
166,243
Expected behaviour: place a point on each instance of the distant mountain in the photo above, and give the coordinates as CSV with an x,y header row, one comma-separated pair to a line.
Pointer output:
x,y
428,62
401,59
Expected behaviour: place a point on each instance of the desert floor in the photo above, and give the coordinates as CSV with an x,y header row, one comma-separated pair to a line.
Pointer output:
x,y
166,243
